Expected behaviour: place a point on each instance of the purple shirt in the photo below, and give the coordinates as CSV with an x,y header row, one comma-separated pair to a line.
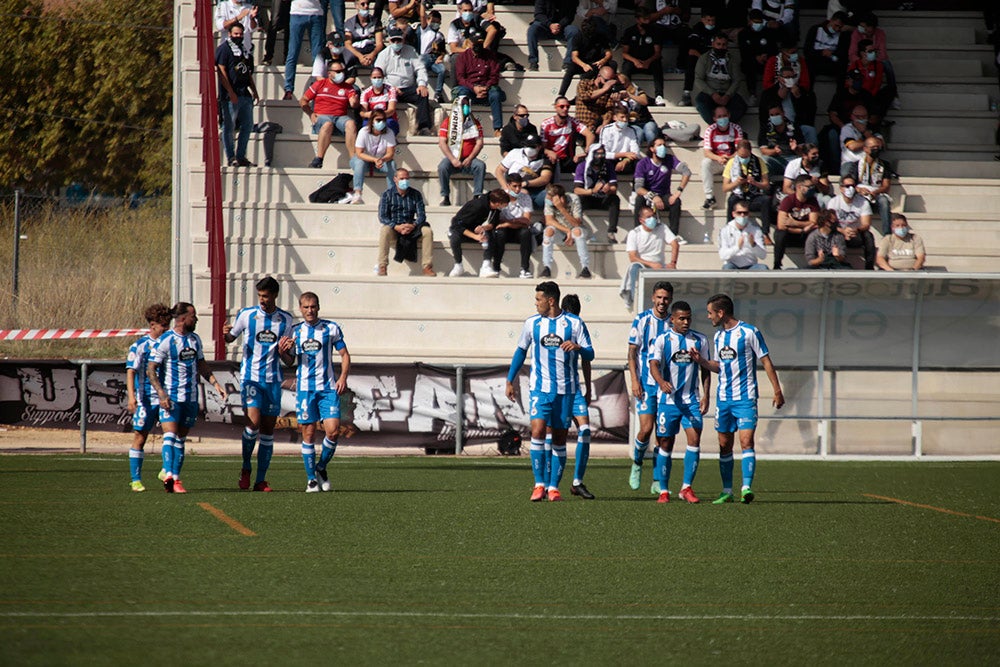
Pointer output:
x,y
609,176
656,178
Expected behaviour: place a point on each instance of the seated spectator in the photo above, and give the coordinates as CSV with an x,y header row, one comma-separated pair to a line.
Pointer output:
x,y
472,224
646,246
620,142
637,103
718,145
825,246
514,218
433,50
839,111
553,20
363,37
757,43
404,223
598,96
718,81
652,185
458,30
741,242
460,139
852,139
564,217
591,53
559,135
596,184
809,164
404,9
780,15
330,103
642,49
825,46
746,180
333,51
374,149
798,215
602,13
405,71
669,24
797,104
778,140
854,218
477,75
868,29
788,57
531,165
517,129
380,96
698,42
872,176
902,249
875,79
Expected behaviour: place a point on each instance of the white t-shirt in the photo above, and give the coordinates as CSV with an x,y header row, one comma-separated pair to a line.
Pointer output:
x,y
519,207
849,213
227,11
306,8
516,162
619,141
375,145
852,133
649,245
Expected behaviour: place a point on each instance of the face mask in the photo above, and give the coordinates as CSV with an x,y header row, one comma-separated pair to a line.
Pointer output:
x,y
466,109
467,17
364,13
849,192
777,120
788,81
478,49
337,50
532,153
377,83
756,27
862,30
871,56
599,157
434,26
513,193
403,184
661,151
338,77
720,53
861,122
875,152
521,122
710,27
650,223
723,122
620,124
743,160
740,220
396,47
901,232
380,125
794,57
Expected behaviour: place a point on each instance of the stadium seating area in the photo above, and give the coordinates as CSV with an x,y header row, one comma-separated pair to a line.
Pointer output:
x,y
942,146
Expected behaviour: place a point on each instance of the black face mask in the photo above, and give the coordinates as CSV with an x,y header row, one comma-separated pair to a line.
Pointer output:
x,y
720,53
875,152
478,49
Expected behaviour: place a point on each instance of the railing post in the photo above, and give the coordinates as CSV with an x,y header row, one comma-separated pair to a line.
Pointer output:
x,y
459,409
17,247
84,400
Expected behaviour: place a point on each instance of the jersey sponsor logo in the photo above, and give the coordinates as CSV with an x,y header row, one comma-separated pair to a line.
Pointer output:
x,y
552,340
187,354
681,357
267,337
727,354
311,346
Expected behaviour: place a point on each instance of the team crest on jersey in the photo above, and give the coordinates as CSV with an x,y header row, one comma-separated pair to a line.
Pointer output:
x,y
681,357
187,354
727,354
311,346
552,340
267,337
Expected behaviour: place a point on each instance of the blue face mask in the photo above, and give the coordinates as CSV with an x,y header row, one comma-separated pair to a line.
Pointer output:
x,y
379,125
723,122
776,120
901,232
396,47
466,109
757,27
467,17
661,151
743,160
870,56
434,26
403,184
794,57
650,223
377,83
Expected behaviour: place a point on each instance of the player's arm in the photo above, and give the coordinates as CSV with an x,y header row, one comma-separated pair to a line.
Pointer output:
x,y
345,369
152,372
207,373
231,332
520,354
586,380
706,391
707,364
130,381
633,370
286,350
654,370
772,375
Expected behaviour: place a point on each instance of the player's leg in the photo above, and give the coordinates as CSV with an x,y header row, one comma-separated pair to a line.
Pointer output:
x,y
692,424
582,455
169,419
329,410
141,424
562,415
646,412
539,408
308,415
725,425
547,448
252,398
187,416
747,425
668,421
269,409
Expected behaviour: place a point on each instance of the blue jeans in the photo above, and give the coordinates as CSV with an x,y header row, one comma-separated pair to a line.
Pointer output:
x,y
883,206
361,168
477,168
436,68
297,25
338,10
648,132
706,107
494,97
537,31
240,114
756,267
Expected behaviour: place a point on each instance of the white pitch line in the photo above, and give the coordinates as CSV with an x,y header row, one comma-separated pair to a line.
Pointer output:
x,y
514,616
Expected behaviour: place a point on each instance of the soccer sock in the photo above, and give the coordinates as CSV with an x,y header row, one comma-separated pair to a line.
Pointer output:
x,y
726,471
691,458
329,447
249,442
264,453
582,453
663,465
548,457
537,453
749,465
135,457
638,451
167,451
558,465
309,459
178,456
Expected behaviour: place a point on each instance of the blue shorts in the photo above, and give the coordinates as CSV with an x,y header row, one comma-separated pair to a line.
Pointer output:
x,y
314,406
145,417
339,124
265,396
580,407
185,414
732,416
670,418
554,409
647,404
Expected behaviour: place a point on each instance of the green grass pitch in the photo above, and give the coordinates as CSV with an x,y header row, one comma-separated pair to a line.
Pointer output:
x,y
445,561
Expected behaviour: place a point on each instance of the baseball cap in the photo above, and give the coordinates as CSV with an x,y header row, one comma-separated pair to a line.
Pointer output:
x,y
394,33
532,140
335,38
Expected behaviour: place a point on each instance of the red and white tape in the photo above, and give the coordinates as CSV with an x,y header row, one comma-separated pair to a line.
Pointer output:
x,y
67,334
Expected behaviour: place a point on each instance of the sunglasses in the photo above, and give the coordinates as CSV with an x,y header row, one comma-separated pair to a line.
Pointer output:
x,y
562,106
520,115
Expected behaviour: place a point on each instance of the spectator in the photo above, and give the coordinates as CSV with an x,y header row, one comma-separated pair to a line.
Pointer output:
x,y
797,104
517,130
329,103
778,140
596,97
718,81
810,165
745,177
698,42
825,246
788,57
718,145
847,98
602,13
515,225
477,73
237,95
596,184
637,102
642,48
433,50
458,30
902,249
230,12
559,135
781,15
872,176
826,45
333,51
531,164
404,9
852,139
668,23
363,37
460,139
646,246
798,215
303,15
473,223
868,30
875,78
278,23
553,20
404,222
564,216
620,141
591,52
757,44
652,185
374,149
854,217
405,71
380,96
741,242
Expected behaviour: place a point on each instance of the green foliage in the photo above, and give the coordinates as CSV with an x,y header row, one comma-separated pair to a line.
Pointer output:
x,y
87,95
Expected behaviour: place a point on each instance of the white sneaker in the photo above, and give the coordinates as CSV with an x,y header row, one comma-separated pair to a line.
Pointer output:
x,y
312,486
346,199
488,272
457,271
525,274
897,103
660,102
356,197
681,240
752,101
631,199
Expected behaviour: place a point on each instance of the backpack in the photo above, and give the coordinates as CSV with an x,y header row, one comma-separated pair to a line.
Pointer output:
x,y
509,443
333,191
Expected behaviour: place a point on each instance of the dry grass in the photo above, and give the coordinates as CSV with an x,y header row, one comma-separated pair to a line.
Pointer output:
x,y
83,270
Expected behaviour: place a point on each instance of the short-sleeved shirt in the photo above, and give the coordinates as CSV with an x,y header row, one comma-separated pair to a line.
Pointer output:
x,y
656,177
178,356
239,69
263,330
608,176
519,207
645,329
649,245
138,359
799,210
737,351
672,351
574,205
560,138
640,45
372,99
375,145
901,254
362,36
553,370
314,347
734,169
721,142
516,161
472,131
850,133
849,213
329,98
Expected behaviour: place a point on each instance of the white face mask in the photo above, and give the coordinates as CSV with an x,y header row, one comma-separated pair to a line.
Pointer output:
x,y
621,124
532,153
338,77
849,192
740,220
789,82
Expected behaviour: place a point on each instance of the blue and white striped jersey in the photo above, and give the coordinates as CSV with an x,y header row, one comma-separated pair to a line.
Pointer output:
x,y
314,347
178,356
673,352
737,351
260,344
646,328
553,371
137,361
